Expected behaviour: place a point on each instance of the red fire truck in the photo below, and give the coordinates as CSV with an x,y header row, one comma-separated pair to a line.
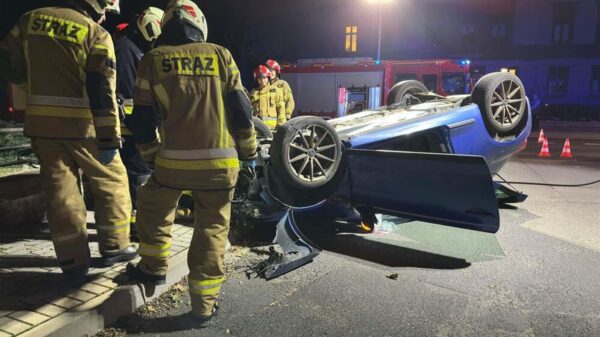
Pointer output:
x,y
337,87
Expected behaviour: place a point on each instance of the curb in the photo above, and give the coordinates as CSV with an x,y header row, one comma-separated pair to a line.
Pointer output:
x,y
105,310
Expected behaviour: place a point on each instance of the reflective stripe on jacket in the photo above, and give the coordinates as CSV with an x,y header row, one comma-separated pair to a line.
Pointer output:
x,y
67,62
189,85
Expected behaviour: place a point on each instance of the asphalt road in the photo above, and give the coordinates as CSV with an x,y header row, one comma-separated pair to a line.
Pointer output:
x,y
538,276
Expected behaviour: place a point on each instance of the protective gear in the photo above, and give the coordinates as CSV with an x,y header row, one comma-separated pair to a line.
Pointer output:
x,y
187,11
220,120
70,119
110,257
284,87
273,65
194,90
80,55
60,161
212,209
106,156
137,275
261,71
288,97
113,7
149,23
248,163
129,50
268,105
101,7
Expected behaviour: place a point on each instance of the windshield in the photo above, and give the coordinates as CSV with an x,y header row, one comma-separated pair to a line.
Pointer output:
x,y
455,84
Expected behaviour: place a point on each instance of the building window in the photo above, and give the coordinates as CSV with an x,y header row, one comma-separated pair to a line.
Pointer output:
x,y
499,30
598,22
351,38
563,20
595,82
468,34
558,81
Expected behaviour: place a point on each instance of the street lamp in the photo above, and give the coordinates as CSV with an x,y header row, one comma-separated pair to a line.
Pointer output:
x,y
380,3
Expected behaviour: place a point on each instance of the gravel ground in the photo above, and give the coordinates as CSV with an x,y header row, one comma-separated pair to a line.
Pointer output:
x,y
237,259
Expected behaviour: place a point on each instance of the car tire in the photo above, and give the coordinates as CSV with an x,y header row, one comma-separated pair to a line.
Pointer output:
x,y
262,130
306,153
404,92
502,101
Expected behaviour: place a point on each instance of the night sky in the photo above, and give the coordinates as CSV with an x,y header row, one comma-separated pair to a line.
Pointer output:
x,y
252,30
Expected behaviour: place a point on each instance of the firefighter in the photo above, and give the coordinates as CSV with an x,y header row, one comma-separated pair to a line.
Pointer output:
x,y
191,90
66,59
283,86
267,100
133,42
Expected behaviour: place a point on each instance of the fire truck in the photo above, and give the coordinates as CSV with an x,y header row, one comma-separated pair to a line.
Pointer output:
x,y
332,88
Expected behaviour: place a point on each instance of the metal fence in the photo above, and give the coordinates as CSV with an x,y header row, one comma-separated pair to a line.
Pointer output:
x,y
570,112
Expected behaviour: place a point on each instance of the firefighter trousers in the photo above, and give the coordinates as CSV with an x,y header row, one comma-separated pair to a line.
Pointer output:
x,y
156,213
60,162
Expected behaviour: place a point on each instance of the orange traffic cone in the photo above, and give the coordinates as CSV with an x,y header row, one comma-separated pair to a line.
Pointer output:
x,y
541,137
566,152
545,150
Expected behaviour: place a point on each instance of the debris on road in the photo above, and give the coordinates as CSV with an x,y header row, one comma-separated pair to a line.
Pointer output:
x,y
393,276
111,332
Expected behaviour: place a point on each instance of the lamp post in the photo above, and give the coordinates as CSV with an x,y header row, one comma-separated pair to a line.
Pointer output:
x,y
380,4
379,39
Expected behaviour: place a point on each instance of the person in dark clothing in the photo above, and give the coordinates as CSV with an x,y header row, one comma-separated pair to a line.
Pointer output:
x,y
536,109
132,42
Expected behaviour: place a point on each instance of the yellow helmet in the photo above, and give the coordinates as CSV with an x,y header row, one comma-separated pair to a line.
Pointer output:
x,y
188,11
101,7
149,23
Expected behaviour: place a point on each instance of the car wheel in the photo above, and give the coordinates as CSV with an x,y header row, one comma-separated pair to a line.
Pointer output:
x,y
306,153
262,130
405,92
502,102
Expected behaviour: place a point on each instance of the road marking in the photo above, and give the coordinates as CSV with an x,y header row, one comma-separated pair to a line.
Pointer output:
x,y
592,144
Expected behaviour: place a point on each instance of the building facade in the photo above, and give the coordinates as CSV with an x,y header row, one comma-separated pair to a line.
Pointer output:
x,y
552,45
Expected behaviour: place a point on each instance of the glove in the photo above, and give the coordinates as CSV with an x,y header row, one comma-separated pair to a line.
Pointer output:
x,y
106,156
248,163
248,168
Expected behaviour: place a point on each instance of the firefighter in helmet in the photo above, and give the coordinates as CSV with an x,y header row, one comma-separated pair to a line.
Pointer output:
x,y
267,100
132,43
283,86
192,89
73,124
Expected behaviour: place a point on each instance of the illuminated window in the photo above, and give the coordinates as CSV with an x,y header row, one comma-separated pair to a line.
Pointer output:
x,y
351,38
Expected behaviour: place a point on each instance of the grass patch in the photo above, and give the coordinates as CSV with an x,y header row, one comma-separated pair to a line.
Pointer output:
x,y
9,156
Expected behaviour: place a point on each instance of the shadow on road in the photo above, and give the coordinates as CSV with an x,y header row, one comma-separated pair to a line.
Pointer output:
x,y
374,248
158,325
386,254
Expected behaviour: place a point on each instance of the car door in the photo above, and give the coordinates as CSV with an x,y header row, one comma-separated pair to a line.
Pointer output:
x,y
447,189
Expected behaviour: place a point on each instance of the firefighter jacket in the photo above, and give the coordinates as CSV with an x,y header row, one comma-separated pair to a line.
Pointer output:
x,y
67,62
267,104
204,116
288,97
128,55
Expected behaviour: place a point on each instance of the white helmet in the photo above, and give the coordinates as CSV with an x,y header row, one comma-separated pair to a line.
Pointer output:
x,y
102,7
188,11
149,23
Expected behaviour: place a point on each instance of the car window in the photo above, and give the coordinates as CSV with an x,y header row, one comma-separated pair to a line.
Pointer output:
x,y
405,77
430,82
455,83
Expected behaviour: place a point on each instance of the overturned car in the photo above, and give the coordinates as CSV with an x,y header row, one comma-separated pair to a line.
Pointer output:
x,y
422,156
